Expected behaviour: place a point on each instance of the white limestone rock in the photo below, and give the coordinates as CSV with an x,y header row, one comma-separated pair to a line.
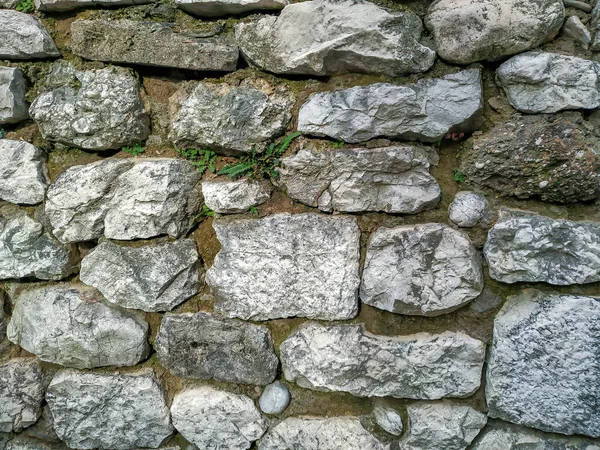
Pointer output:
x,y
423,111
21,394
217,8
23,37
68,5
303,265
23,175
388,419
347,358
13,106
468,209
231,197
275,398
575,28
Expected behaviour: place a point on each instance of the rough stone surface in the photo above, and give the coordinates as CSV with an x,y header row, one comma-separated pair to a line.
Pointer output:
x,y
23,176
337,37
539,82
229,119
468,209
150,278
347,358
285,265
543,369
595,26
466,31
575,28
553,158
393,179
13,106
445,426
68,5
423,270
207,347
124,199
109,411
43,429
22,36
275,398
69,324
151,44
217,420
216,8
3,317
526,247
423,111
22,442
308,433
93,109
230,197
388,419
21,393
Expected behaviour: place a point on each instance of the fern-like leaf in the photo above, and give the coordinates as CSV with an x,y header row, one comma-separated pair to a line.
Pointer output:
x,y
237,169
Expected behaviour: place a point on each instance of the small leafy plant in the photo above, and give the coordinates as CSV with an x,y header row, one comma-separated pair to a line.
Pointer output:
x,y
459,177
203,160
338,145
26,6
207,212
2,133
134,150
254,210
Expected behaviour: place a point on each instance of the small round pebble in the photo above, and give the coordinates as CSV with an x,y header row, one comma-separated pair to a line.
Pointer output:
x,y
275,398
467,209
388,419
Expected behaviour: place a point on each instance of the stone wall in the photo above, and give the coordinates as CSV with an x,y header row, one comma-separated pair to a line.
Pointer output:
x,y
319,225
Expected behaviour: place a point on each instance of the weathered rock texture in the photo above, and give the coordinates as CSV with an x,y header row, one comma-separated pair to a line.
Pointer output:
x,y
23,176
337,36
388,419
22,442
423,111
550,157
284,265
468,209
543,369
93,109
67,5
217,420
109,411
13,106
526,247
228,118
349,359
21,394
466,31
275,398
150,278
124,199
424,270
392,179
151,44
22,36
216,8
230,197
71,325
575,28
207,347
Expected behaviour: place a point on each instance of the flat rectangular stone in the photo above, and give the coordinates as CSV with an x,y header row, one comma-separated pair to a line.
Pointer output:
x,y
13,107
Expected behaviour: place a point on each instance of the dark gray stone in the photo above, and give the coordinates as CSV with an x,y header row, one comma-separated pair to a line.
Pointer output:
x,y
216,8
67,5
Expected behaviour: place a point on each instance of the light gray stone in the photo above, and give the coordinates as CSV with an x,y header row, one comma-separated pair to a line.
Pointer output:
x,y
152,44
539,82
595,26
22,442
94,109
526,247
543,369
151,278
217,420
7,4
230,119
468,209
284,265
230,197
583,6
388,419
577,30
21,394
22,36
109,411
207,347
13,106
71,325
423,111
424,270
466,31
349,359
445,426
23,176
393,179
68,5
313,433
216,8
337,37
275,398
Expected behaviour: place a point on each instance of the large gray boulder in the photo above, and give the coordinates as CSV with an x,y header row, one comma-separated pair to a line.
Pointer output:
x,y
525,247
125,199
346,358
466,31
22,36
218,420
303,265
68,5
72,325
216,8
229,118
543,368
423,111
393,179
336,37
552,157
204,346
93,109
13,106
423,270
23,175
151,278
230,197
109,411
151,44
21,394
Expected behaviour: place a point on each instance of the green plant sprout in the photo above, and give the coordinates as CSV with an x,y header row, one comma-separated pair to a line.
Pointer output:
x,y
134,150
203,160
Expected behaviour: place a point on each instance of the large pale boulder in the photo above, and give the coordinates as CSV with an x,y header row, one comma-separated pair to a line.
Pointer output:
x,y
21,394
13,106
216,8
23,175
230,197
22,36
